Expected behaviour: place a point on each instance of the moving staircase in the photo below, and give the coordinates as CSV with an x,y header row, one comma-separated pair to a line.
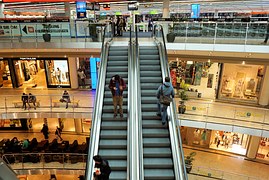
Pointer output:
x,y
113,133
157,153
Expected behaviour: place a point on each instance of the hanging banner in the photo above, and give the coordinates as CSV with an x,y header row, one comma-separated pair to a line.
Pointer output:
x,y
61,29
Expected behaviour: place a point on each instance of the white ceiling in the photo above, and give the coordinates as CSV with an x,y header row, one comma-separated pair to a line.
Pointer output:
x,y
145,7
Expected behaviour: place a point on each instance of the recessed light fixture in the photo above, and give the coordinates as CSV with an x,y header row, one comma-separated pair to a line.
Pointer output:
x,y
208,60
243,62
65,56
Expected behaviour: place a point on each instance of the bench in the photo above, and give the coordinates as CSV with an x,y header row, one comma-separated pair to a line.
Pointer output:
x,y
18,104
57,103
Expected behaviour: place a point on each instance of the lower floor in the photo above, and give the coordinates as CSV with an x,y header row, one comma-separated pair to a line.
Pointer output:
x,y
207,161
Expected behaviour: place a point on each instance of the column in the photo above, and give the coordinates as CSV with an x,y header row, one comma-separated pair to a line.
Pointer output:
x,y
78,126
2,6
253,146
67,9
73,75
264,93
166,13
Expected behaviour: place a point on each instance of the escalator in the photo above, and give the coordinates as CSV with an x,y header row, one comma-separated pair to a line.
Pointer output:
x,y
113,132
157,153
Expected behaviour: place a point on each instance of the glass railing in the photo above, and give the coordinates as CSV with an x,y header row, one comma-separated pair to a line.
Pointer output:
x,y
252,33
47,103
250,117
46,161
218,174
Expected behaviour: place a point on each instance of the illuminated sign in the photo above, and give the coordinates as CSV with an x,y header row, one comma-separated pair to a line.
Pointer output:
x,y
81,9
195,10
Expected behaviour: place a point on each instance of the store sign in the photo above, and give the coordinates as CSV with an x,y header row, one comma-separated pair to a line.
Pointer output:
x,y
32,29
248,114
195,10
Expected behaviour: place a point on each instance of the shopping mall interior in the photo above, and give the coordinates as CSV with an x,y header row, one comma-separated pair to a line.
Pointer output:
x,y
215,53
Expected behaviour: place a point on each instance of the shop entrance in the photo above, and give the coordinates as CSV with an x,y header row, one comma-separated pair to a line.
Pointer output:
x,y
30,73
5,78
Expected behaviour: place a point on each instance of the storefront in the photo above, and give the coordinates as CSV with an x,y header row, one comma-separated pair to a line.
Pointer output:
x,y
87,69
15,124
241,82
200,79
263,151
219,140
34,72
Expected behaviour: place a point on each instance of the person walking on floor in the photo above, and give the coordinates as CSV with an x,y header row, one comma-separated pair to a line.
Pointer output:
x,y
45,131
24,99
101,167
82,77
117,85
267,34
166,89
58,133
32,99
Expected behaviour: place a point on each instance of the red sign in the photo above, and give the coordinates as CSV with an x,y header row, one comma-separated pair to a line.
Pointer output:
x,y
37,1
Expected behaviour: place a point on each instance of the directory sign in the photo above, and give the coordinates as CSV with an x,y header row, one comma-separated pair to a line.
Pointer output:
x,y
195,10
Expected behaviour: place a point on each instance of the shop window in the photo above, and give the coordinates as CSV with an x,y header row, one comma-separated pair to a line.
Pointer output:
x,y
5,78
263,151
57,73
241,82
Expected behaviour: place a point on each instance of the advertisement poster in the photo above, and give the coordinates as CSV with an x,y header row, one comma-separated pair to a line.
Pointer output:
x,y
7,29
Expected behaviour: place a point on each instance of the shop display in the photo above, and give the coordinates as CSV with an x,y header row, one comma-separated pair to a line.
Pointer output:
x,y
229,141
263,151
57,73
241,81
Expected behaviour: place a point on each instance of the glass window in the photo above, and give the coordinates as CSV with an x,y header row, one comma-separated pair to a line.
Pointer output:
x,y
57,73
5,78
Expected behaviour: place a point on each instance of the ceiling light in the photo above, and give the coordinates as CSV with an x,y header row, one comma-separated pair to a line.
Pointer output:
x,y
243,62
208,60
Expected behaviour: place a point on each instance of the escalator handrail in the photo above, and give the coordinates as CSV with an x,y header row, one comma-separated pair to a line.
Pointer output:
x,y
176,144
97,112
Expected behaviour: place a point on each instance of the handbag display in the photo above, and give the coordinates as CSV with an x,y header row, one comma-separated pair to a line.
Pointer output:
x,y
165,100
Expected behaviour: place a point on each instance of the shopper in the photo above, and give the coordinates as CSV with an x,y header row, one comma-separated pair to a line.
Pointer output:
x,y
102,168
117,85
65,98
58,133
32,99
267,34
24,99
165,89
82,77
45,131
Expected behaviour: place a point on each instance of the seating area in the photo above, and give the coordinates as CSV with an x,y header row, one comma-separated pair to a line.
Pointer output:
x,y
18,104
57,103
14,151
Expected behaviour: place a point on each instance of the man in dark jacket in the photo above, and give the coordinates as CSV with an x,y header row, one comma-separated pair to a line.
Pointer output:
x,y
45,131
167,89
102,168
117,85
267,34
24,99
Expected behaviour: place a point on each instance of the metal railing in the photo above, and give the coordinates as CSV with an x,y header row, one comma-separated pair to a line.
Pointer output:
x,y
175,137
46,103
218,174
235,115
97,113
219,32
27,161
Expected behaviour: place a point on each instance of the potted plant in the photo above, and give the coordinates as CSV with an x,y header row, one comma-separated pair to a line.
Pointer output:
x,y
183,97
188,161
47,35
171,36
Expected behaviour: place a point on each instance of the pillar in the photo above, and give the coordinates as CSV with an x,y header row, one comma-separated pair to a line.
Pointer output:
x,y
264,93
67,9
73,75
2,6
78,126
166,13
253,147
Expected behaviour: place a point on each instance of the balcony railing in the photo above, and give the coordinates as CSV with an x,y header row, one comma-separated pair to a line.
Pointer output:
x,y
80,105
21,161
227,114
